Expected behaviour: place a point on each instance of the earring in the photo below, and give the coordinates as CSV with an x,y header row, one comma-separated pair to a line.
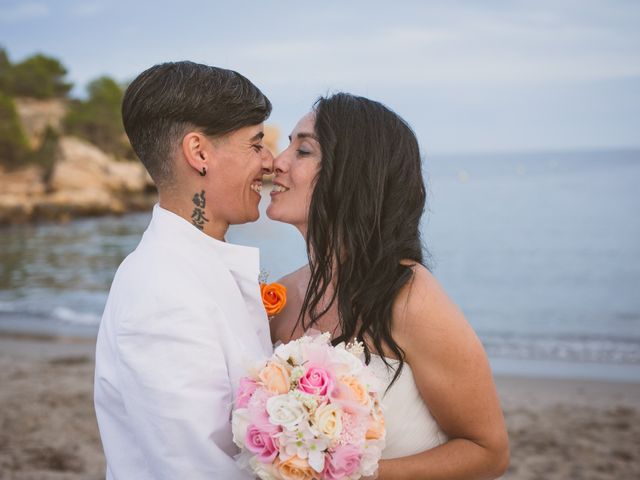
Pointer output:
x,y
203,172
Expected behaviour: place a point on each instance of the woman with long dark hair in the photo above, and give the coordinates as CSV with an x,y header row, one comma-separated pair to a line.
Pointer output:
x,y
351,182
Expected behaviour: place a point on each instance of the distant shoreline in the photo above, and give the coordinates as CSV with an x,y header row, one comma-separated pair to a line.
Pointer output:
x,y
45,210
74,341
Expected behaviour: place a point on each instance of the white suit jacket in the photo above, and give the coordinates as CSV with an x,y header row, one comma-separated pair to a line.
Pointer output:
x,y
183,321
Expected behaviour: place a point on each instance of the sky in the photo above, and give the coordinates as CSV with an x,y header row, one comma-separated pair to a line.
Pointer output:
x,y
468,76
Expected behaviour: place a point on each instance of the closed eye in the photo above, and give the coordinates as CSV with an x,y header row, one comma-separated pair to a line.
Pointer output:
x,y
302,153
257,147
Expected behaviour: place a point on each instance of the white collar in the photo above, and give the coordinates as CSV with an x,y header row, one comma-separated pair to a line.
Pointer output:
x,y
172,228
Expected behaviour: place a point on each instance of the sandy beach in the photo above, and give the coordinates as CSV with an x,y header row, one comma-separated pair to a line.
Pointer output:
x,y
559,429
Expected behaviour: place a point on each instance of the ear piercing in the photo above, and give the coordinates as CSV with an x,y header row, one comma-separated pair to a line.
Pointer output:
x,y
203,172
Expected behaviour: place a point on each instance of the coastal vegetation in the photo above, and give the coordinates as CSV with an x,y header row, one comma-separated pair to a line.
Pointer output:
x,y
97,119
63,156
41,77
13,142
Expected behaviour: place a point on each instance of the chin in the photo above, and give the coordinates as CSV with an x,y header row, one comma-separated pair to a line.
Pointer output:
x,y
245,217
271,214
276,216
253,216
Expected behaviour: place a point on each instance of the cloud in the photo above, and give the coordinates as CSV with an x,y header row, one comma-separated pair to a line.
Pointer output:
x,y
87,9
23,11
473,48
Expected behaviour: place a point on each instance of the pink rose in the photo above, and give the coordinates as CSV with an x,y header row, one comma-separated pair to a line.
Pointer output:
x,y
316,381
245,390
342,462
262,443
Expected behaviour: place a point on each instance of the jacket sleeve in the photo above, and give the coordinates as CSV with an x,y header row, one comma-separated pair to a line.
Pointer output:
x,y
176,389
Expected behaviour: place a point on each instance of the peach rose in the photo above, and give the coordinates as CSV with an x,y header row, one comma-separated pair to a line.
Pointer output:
x,y
360,394
375,427
296,468
275,378
274,297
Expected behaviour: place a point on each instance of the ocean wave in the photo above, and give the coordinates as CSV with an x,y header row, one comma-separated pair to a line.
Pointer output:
x,y
78,318
607,350
7,307
59,314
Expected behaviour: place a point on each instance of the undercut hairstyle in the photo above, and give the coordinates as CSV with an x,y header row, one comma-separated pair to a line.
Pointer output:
x,y
168,100
364,219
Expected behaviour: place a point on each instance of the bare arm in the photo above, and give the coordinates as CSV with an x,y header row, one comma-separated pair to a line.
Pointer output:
x,y
453,376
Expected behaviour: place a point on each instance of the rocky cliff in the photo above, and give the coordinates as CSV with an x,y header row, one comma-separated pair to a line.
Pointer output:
x,y
85,181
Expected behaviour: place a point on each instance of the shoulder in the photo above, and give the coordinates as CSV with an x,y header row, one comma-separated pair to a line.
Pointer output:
x,y
150,286
426,321
422,294
155,265
296,284
292,281
143,277
283,324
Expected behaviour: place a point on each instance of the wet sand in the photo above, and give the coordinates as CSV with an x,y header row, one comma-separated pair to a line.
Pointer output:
x,y
571,429
559,429
47,423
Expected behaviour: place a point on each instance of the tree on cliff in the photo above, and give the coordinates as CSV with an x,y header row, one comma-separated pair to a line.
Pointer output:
x,y
38,76
5,69
98,118
46,155
13,142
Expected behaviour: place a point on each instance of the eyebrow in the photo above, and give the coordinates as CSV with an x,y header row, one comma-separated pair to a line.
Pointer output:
x,y
306,135
257,136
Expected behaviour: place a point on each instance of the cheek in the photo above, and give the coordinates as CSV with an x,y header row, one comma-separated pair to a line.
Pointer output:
x,y
305,181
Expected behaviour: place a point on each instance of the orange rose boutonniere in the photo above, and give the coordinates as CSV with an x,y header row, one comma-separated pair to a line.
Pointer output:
x,y
274,297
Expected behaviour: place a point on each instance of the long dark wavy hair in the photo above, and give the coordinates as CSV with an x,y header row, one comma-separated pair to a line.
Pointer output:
x,y
364,219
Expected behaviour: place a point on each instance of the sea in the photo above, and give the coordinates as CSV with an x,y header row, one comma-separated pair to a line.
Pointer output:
x,y
541,251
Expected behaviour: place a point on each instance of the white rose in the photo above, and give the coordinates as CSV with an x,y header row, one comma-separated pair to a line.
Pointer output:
x,y
328,420
285,410
239,423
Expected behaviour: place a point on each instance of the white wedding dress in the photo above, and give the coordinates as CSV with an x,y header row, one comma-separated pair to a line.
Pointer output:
x,y
410,426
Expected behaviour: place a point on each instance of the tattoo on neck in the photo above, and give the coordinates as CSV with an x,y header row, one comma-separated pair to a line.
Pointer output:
x,y
197,217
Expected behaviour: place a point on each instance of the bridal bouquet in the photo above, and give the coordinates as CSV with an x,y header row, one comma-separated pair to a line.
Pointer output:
x,y
311,411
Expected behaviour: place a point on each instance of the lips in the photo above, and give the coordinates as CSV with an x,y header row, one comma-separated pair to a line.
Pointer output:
x,y
279,188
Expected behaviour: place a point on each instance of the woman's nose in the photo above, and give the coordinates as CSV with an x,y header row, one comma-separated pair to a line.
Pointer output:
x,y
280,163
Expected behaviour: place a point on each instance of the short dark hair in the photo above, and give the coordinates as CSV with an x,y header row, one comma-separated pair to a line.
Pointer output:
x,y
167,100
364,219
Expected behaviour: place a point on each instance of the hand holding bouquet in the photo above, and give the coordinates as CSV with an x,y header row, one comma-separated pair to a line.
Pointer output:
x,y
311,411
